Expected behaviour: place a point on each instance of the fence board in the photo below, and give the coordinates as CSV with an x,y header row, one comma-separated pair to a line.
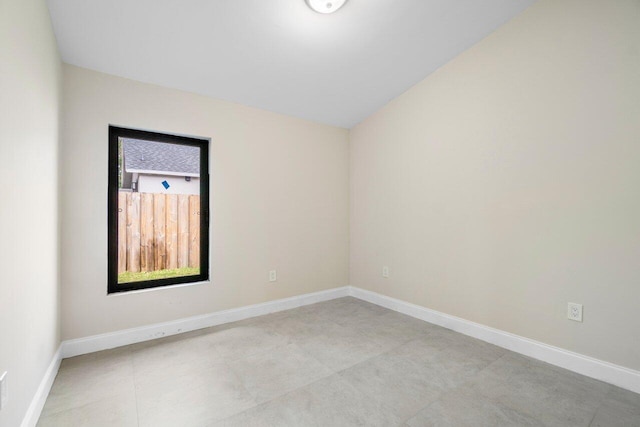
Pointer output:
x,y
194,231
133,232
122,232
146,232
158,231
159,217
183,230
172,230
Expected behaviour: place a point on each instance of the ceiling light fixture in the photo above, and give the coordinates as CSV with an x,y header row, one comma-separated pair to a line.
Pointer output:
x,y
325,6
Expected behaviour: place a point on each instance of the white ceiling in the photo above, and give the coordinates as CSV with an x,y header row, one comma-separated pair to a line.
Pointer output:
x,y
277,54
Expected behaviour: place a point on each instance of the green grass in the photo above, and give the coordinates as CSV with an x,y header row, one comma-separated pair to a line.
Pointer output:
x,y
127,276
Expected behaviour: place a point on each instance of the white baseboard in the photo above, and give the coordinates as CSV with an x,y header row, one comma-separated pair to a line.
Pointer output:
x,y
106,341
604,371
37,403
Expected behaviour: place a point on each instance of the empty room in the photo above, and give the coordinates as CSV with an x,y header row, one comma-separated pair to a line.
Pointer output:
x,y
319,213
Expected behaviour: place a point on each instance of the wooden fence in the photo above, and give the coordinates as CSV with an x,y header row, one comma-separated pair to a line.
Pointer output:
x,y
158,231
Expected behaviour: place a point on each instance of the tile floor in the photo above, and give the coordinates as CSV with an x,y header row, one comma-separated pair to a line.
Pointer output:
x,y
338,363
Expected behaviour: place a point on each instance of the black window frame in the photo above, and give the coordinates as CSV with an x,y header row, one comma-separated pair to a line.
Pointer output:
x,y
115,133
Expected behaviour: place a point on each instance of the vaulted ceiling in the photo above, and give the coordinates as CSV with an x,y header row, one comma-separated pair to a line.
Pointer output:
x,y
277,55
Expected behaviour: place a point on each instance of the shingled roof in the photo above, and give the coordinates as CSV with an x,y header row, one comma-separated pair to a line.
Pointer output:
x,y
148,156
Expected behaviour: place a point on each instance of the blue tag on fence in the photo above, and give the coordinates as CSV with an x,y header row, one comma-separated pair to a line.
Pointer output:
x,y
166,185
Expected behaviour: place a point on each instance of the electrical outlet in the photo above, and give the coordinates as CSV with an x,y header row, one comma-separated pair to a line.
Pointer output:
x,y
574,312
273,276
4,390
385,271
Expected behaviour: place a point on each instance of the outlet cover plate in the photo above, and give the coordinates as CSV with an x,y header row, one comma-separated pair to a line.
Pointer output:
x,y
4,390
273,275
385,271
574,312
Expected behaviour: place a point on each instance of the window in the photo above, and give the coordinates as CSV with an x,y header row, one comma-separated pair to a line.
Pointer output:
x,y
158,210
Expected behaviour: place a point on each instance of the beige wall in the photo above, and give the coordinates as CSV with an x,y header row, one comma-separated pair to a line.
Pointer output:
x,y
279,194
30,78
507,183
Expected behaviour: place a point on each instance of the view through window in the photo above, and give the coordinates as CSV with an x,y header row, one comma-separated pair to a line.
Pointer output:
x,y
158,213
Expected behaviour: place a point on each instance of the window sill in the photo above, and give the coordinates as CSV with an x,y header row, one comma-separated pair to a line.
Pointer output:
x,y
159,288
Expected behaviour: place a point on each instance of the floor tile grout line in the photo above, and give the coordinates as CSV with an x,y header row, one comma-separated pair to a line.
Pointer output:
x,y
135,389
222,361
290,392
386,311
510,406
276,398
459,386
600,405
333,372
78,406
244,386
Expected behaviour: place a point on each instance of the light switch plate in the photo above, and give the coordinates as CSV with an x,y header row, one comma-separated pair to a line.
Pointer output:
x,y
385,271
